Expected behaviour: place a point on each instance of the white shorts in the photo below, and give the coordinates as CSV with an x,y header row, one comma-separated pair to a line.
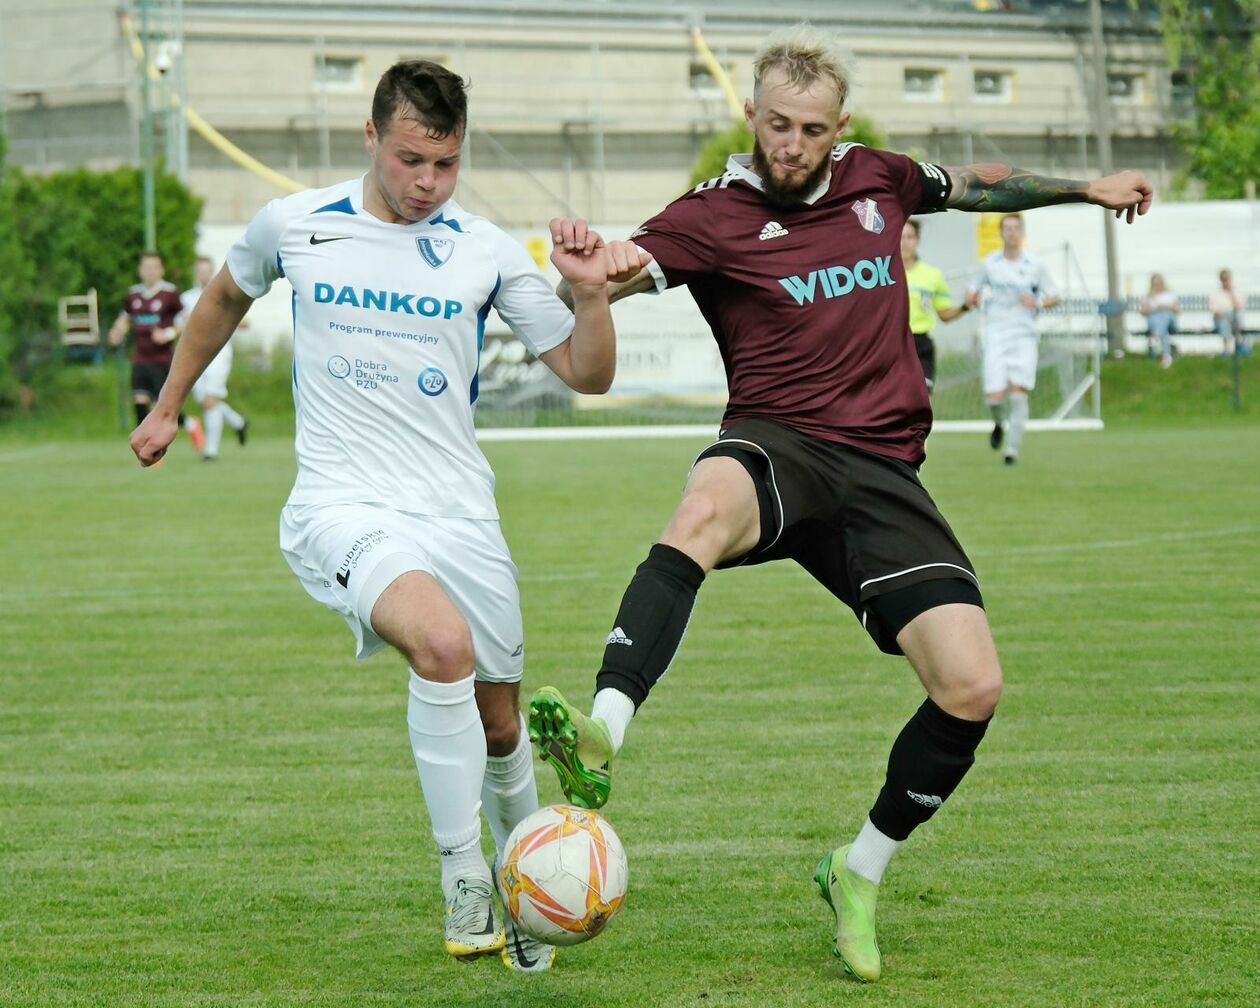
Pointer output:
x,y
214,379
1009,360
346,555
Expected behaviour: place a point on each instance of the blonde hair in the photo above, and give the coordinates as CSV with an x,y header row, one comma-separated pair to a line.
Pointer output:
x,y
804,54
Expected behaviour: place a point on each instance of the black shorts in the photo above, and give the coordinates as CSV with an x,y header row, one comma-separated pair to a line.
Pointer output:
x,y
861,524
147,379
926,349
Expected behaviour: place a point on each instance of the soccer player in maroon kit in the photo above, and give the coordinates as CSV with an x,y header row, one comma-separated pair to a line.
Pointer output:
x,y
792,255
150,310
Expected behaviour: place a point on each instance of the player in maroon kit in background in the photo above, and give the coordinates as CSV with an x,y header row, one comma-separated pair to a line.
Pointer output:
x,y
150,310
793,257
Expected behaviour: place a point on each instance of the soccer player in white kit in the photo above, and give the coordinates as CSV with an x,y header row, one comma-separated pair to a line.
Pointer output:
x,y
392,520
1015,286
210,390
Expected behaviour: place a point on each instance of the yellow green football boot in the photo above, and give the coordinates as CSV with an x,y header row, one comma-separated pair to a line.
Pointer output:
x,y
852,898
577,747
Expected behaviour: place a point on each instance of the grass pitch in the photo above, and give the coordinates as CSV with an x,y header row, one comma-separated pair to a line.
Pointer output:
x,y
204,801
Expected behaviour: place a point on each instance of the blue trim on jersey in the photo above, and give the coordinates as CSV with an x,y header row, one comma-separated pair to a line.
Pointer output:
x,y
295,381
482,314
341,206
279,264
453,225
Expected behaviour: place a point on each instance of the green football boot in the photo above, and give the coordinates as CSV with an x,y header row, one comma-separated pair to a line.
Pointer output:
x,y
576,746
852,899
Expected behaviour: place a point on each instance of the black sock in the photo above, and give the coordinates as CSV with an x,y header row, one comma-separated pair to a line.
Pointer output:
x,y
650,623
142,411
929,759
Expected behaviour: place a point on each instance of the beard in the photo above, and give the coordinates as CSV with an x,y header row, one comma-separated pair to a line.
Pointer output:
x,y
786,195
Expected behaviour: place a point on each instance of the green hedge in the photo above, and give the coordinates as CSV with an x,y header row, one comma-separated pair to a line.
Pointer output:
x,y
62,234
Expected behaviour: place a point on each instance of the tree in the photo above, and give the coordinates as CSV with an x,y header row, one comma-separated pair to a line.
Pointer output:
x,y
738,139
1216,43
64,233
16,274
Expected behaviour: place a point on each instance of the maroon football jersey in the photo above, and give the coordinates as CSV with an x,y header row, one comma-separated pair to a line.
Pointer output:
x,y
151,309
808,304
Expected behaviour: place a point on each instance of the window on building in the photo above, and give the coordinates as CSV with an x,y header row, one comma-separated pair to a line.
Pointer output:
x,y
1181,91
339,73
923,84
1126,88
991,85
703,83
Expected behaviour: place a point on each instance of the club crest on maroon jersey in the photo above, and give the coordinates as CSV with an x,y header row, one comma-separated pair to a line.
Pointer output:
x,y
868,215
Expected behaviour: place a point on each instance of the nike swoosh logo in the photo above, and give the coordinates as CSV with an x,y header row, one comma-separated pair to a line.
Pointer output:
x,y
526,961
323,241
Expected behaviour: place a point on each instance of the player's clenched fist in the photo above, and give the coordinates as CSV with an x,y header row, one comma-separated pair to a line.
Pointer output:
x,y
584,259
150,440
623,260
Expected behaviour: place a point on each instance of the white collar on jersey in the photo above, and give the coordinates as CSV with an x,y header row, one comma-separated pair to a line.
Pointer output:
x,y
434,216
740,165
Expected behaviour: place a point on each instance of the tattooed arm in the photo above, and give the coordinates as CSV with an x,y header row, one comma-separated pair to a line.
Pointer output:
x,y
1001,188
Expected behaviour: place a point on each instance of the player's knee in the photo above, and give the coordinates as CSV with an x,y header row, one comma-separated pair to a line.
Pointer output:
x,y
503,732
975,697
985,693
707,531
442,654
696,515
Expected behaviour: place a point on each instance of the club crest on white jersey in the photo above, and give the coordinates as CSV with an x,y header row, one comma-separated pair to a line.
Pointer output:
x,y
435,251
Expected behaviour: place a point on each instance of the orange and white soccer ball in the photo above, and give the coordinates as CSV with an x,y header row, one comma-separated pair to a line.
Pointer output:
x,y
564,875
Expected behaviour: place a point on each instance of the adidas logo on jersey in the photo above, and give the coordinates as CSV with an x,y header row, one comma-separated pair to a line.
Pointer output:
x,y
930,800
773,229
618,636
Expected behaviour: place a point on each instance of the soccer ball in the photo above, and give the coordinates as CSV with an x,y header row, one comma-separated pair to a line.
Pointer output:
x,y
564,875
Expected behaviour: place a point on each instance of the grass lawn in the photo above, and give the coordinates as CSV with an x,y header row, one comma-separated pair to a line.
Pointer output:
x,y
204,801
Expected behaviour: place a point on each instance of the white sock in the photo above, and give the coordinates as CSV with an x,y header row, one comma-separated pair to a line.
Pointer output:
x,y
508,794
234,419
1019,421
616,709
449,746
213,417
870,853
998,410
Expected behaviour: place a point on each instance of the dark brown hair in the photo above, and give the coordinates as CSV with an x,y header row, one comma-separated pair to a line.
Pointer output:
x,y
426,91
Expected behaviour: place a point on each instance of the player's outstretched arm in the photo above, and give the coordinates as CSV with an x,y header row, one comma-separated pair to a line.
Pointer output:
x,y
217,313
586,362
1001,188
119,329
640,283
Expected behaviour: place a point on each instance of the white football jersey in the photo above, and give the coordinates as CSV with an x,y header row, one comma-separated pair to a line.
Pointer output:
x,y
388,326
1002,281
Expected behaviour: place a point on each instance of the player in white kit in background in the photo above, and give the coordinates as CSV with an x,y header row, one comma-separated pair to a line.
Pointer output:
x,y
392,519
1015,287
210,390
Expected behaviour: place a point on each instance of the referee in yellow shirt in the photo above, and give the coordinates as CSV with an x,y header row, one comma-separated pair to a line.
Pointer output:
x,y
929,299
